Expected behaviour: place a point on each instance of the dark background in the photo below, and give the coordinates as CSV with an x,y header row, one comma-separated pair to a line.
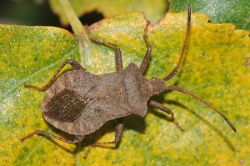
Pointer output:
x,y
22,12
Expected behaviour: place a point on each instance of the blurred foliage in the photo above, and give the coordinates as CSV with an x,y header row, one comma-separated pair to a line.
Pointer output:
x,y
221,11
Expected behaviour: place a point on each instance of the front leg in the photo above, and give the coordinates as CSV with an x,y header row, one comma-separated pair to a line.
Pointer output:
x,y
118,54
165,109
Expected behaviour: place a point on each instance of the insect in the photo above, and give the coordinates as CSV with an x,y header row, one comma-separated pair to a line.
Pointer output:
x,y
80,102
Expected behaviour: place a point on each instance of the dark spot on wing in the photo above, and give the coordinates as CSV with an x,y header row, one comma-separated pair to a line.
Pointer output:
x,y
66,106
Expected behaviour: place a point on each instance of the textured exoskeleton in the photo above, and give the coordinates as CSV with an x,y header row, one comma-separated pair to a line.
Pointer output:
x,y
80,102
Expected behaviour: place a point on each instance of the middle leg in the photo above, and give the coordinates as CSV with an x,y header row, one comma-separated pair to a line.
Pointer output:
x,y
118,135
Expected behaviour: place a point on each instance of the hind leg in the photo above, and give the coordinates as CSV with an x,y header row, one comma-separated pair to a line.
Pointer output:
x,y
118,135
73,63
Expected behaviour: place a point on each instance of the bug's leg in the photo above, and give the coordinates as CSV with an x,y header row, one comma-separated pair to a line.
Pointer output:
x,y
46,134
170,75
165,109
146,58
118,135
118,54
73,63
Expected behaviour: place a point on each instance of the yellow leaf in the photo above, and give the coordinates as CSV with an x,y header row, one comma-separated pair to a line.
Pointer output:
x,y
213,69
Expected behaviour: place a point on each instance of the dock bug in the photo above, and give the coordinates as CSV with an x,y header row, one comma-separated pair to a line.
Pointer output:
x,y
80,102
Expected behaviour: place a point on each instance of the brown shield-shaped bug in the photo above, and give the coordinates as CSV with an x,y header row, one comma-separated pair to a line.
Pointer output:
x,y
80,102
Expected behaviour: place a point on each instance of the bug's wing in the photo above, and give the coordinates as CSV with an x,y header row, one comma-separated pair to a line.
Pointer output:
x,y
108,102
66,99
80,102
97,113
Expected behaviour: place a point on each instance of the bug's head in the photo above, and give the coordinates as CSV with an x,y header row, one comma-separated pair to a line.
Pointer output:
x,y
157,86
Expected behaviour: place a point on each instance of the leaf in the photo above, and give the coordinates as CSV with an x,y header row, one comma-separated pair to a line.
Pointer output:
x,y
28,55
213,69
154,10
220,11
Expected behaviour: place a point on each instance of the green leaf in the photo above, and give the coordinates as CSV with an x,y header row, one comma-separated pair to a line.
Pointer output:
x,y
28,55
213,68
220,11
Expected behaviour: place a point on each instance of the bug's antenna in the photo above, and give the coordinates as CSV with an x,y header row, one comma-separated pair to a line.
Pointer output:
x,y
170,75
170,87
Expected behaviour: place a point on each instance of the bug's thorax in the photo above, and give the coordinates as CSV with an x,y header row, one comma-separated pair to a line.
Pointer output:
x,y
156,86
